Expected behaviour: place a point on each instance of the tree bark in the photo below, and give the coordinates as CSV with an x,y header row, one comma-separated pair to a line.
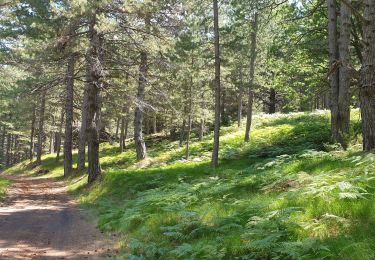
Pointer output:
x,y
95,85
68,140
124,128
215,150
8,151
59,135
15,150
240,100
252,72
122,134
41,128
201,130
189,115
154,124
140,145
32,132
2,143
272,104
344,74
83,129
182,132
126,132
51,137
339,57
117,128
367,87
333,59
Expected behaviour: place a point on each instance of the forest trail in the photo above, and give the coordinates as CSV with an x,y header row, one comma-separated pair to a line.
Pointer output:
x,y
40,221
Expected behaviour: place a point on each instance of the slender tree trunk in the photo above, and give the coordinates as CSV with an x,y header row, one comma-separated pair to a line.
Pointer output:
x,y
68,140
2,143
41,128
83,129
215,150
122,135
94,101
154,124
140,145
51,137
182,133
272,105
32,133
59,135
367,87
15,150
344,74
189,116
138,117
240,100
201,129
187,154
334,73
117,127
126,132
8,151
252,72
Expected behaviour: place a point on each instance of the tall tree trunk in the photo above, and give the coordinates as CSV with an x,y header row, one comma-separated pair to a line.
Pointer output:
x,y
367,88
117,127
122,134
83,129
94,100
201,130
189,115
51,137
272,104
252,72
182,132
344,74
59,135
32,133
334,73
124,128
41,128
68,140
8,151
2,143
215,150
140,145
187,154
126,132
15,150
154,124
240,100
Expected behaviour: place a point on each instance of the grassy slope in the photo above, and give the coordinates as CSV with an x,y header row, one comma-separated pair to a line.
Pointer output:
x,y
287,195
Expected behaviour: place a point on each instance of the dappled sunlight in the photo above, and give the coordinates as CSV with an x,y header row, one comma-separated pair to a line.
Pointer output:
x,y
288,185
39,220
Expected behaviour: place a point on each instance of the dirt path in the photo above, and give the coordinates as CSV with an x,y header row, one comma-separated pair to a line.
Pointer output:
x,y
40,221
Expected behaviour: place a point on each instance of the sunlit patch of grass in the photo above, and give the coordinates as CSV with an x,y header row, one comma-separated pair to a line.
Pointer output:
x,y
4,184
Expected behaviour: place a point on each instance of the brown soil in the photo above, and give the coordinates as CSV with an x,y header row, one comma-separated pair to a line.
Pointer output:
x,y
40,221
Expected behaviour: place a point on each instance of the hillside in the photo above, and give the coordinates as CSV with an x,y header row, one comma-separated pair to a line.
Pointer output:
x,y
289,194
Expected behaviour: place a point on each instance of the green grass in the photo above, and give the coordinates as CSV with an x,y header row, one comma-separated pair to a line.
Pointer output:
x,y
289,194
4,184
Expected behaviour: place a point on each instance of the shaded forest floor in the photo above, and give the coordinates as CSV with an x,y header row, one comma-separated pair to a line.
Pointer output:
x,y
289,194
